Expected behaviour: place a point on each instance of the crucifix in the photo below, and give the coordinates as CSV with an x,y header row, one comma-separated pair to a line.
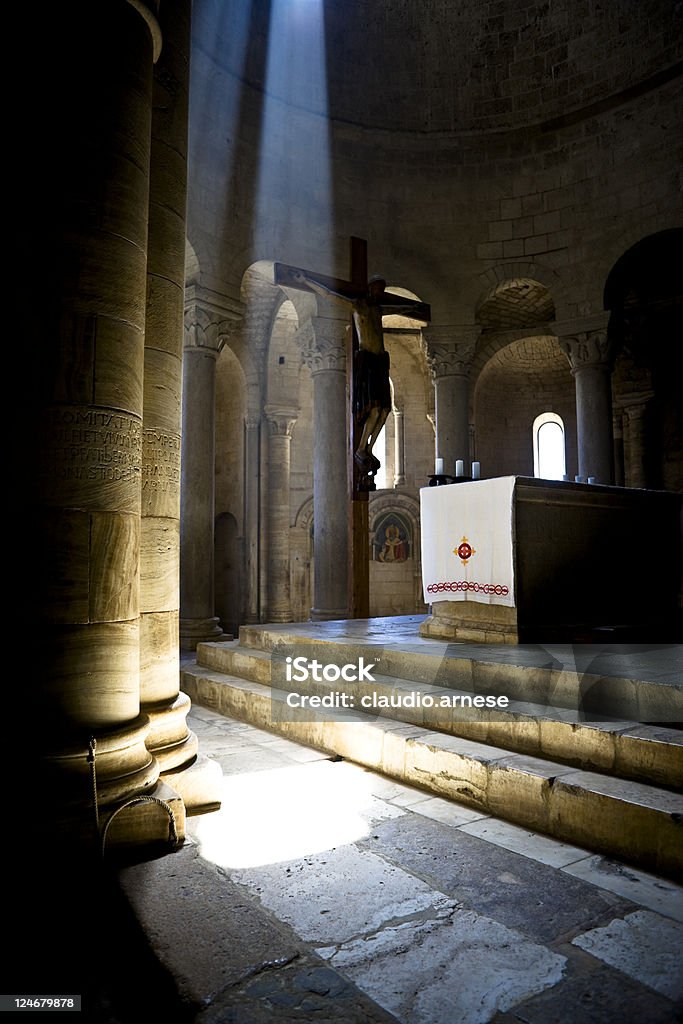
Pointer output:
x,y
367,370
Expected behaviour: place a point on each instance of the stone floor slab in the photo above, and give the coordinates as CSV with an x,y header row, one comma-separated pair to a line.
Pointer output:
x,y
522,841
458,968
334,896
534,898
302,991
593,996
204,930
658,894
448,812
644,945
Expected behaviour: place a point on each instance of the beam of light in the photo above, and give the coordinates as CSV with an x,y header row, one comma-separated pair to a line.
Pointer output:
x,y
271,816
293,208
220,49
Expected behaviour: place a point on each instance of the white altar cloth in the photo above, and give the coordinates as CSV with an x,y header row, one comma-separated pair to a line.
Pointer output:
x,y
467,542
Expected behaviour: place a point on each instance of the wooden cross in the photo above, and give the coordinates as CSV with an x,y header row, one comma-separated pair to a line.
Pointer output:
x,y
354,291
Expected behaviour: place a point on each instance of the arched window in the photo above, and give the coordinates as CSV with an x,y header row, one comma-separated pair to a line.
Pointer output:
x,y
549,454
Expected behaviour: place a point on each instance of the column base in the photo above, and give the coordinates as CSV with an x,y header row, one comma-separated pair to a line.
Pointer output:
x,y
169,739
277,616
123,768
200,785
195,631
328,614
155,820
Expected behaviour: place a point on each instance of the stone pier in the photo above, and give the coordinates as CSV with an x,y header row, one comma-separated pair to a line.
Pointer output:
x,y
170,740
449,351
327,361
91,229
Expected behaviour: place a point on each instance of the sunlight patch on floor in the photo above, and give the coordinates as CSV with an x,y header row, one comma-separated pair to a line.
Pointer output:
x,y
289,812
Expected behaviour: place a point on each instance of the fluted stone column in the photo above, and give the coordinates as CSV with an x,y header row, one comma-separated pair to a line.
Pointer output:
x,y
449,351
169,738
90,229
203,343
399,448
281,422
591,357
326,358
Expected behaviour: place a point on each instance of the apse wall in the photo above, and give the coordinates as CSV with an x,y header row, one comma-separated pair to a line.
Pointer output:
x,y
579,162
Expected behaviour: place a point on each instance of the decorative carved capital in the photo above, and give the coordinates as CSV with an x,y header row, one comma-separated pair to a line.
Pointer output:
x,y
588,348
280,420
207,327
203,334
449,349
324,346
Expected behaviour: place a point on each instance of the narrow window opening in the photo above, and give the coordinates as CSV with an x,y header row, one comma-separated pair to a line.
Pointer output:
x,y
549,447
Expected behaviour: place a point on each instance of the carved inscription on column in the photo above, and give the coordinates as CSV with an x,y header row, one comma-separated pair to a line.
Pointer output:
x,y
91,458
160,473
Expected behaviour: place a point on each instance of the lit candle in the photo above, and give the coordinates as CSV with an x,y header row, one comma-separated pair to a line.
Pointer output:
x,y
476,470
438,467
459,467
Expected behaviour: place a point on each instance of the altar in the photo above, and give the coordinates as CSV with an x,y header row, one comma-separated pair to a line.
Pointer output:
x,y
522,560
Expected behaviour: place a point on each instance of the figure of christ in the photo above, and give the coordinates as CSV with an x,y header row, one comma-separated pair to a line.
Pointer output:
x,y
372,391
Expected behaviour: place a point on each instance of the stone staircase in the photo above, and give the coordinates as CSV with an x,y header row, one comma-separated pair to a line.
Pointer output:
x,y
582,752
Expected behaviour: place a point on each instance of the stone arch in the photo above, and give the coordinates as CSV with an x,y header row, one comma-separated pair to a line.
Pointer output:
x,y
192,268
644,296
301,561
303,520
533,270
393,537
633,241
512,309
521,379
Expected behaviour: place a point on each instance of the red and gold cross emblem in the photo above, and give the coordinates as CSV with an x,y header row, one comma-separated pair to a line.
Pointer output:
x,y
464,551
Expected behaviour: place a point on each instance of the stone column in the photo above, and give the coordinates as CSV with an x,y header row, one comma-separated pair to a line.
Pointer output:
x,y
169,739
203,343
637,443
252,471
618,434
280,425
326,358
399,449
449,351
88,225
591,357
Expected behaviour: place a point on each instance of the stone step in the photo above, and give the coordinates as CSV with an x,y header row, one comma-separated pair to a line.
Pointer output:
x,y
561,675
634,822
627,749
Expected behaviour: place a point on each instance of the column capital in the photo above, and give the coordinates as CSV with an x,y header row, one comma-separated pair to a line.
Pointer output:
x,y
209,322
323,346
449,349
592,348
280,420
